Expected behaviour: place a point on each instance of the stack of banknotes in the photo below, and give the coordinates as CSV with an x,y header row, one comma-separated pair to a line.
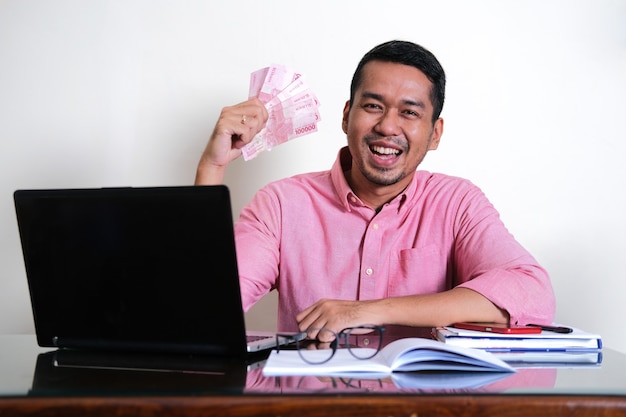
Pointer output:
x,y
290,103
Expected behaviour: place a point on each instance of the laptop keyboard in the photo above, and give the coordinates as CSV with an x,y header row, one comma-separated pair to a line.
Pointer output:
x,y
254,338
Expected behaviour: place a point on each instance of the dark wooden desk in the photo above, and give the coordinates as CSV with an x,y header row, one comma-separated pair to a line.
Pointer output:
x,y
354,405
32,384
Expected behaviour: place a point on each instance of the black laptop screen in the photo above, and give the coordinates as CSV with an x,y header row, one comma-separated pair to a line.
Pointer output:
x,y
133,268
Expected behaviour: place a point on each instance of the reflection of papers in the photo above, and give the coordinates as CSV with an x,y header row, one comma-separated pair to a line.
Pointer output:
x,y
410,382
446,380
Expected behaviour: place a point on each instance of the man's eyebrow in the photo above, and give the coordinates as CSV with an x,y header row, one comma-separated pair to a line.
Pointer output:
x,y
408,102
369,94
416,103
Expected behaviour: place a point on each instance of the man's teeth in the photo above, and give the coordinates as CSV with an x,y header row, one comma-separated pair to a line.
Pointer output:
x,y
385,151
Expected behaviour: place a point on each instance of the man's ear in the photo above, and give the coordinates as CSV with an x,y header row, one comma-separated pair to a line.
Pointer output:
x,y
346,112
436,136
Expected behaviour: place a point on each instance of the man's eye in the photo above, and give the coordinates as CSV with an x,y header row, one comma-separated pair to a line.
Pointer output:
x,y
412,113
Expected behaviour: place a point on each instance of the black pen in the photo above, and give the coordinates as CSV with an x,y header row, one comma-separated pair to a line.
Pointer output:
x,y
555,329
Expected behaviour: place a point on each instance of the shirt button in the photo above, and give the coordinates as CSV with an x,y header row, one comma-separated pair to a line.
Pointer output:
x,y
369,271
375,226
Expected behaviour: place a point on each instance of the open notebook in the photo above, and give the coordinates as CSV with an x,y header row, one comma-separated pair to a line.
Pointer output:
x,y
149,269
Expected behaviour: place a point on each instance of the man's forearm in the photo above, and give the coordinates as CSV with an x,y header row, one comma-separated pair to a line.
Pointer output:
x,y
441,309
207,174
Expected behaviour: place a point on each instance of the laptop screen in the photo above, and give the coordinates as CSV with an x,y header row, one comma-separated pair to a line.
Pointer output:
x,y
133,268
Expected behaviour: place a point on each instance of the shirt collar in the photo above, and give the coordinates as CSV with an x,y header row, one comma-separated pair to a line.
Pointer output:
x,y
348,198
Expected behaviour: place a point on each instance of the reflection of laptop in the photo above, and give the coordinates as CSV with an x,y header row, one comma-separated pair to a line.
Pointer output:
x,y
89,372
142,269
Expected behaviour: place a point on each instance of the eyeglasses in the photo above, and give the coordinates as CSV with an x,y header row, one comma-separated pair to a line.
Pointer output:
x,y
363,342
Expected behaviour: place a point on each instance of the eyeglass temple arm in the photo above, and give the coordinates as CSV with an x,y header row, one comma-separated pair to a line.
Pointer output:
x,y
291,337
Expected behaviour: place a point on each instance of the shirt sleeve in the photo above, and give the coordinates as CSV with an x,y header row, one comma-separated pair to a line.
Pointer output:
x,y
490,261
257,237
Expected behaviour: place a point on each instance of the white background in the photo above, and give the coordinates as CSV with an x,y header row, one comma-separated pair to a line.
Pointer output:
x,y
125,93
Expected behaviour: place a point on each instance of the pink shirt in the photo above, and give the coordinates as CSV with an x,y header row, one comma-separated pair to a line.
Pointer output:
x,y
310,237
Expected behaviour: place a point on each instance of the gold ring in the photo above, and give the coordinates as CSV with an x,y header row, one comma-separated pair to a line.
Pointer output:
x,y
243,119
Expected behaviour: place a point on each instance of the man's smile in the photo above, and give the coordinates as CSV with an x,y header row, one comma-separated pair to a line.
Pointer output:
x,y
385,151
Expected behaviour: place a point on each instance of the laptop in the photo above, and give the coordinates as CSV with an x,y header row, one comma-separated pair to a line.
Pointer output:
x,y
150,269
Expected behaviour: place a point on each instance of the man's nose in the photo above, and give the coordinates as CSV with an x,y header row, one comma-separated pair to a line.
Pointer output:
x,y
388,124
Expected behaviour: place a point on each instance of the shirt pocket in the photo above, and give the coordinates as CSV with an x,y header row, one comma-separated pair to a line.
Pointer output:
x,y
417,271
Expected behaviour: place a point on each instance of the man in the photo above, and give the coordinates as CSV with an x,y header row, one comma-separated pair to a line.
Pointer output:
x,y
373,240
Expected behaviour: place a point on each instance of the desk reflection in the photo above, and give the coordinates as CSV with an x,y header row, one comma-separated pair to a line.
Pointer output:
x,y
78,373
36,381
405,383
413,382
82,373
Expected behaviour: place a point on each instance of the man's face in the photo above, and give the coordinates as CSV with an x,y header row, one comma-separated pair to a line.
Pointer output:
x,y
389,125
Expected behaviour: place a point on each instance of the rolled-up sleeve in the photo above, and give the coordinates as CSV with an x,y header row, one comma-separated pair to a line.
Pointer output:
x,y
491,261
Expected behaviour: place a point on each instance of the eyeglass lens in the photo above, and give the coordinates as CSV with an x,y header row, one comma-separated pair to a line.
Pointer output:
x,y
354,339
369,337
321,349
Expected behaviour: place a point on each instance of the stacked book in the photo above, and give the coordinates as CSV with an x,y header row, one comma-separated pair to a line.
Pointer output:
x,y
545,349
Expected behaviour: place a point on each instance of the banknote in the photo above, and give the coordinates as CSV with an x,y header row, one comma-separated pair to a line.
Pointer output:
x,y
277,78
280,128
257,78
291,105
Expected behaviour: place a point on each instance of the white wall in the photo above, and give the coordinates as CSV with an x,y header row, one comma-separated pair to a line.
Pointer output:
x,y
105,93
